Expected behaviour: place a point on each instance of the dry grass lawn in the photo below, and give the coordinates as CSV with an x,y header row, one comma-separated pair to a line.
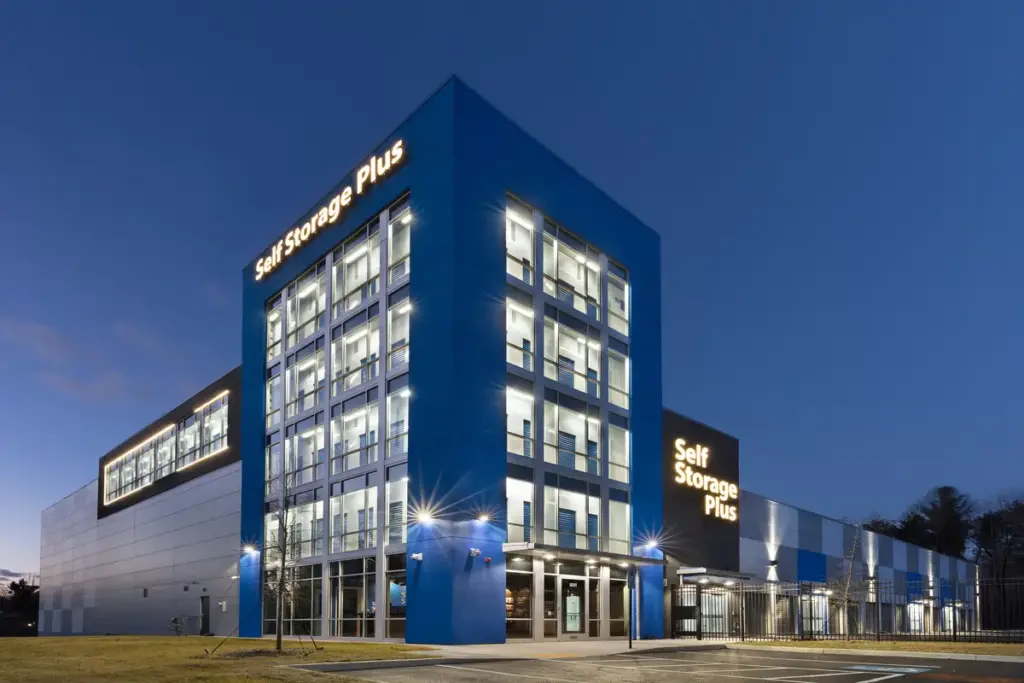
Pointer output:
x,y
161,659
1011,649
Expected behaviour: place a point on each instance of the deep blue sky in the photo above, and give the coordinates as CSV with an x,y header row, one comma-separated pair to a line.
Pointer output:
x,y
837,186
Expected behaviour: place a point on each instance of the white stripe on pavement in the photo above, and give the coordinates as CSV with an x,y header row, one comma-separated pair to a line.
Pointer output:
x,y
502,673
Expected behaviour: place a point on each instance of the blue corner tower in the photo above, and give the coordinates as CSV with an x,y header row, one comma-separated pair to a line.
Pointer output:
x,y
451,382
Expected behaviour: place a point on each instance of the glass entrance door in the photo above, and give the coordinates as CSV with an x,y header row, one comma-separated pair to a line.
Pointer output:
x,y
574,613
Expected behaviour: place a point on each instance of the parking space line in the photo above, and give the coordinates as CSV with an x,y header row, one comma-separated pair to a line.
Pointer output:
x,y
833,673
678,664
743,654
503,673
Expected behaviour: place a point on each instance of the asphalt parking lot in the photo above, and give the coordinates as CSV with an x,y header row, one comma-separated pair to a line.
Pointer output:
x,y
719,666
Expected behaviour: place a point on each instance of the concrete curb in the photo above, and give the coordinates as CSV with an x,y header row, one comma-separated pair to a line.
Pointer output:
x,y
880,653
663,650
370,664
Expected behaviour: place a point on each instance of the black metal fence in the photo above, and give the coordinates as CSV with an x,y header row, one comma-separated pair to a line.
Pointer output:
x,y
989,610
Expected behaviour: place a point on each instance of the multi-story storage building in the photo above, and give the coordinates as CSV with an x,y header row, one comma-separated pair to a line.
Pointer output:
x,y
464,451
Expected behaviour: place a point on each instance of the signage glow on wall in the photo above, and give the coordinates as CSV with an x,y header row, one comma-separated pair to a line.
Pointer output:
x,y
367,175
690,461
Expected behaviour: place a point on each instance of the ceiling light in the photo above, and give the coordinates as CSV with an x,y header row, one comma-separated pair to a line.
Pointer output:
x,y
519,218
730,583
405,393
549,557
623,564
580,258
703,581
407,218
356,254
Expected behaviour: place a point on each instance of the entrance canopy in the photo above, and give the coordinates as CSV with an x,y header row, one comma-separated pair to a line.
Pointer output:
x,y
554,552
704,575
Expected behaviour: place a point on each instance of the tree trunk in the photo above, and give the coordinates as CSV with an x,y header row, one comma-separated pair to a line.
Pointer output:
x,y
282,549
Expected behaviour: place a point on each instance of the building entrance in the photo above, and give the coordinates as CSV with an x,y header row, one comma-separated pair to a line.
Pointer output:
x,y
573,607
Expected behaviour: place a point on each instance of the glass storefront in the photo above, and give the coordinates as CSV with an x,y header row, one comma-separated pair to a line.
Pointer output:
x,y
577,599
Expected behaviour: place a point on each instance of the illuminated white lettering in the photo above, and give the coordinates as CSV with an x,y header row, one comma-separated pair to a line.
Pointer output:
x,y
718,491
362,175
369,173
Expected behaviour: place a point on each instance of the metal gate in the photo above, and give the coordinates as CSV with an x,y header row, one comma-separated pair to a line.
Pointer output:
x,y
686,611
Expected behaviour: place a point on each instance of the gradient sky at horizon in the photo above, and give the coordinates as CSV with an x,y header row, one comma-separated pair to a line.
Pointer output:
x,y
837,186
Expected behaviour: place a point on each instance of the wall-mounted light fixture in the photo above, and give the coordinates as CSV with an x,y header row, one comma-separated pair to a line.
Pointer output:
x,y
773,563
418,557
474,552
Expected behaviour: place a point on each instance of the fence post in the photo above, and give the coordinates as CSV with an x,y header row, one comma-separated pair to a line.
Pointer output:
x,y
743,618
956,605
800,611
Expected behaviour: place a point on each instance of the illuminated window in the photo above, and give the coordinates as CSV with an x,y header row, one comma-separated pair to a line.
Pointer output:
x,y
304,451
274,396
618,453
305,379
274,328
572,356
353,437
272,464
215,426
400,229
519,240
618,378
353,516
618,299
202,434
519,334
398,332
307,301
165,453
519,423
398,422
519,510
572,271
188,441
297,531
397,500
572,439
572,519
618,527
355,349
357,269
300,611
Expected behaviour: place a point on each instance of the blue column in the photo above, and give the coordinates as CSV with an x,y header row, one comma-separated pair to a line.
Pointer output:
x,y
651,591
454,597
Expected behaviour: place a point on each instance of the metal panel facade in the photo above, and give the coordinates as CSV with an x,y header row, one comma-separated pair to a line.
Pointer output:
x,y
135,570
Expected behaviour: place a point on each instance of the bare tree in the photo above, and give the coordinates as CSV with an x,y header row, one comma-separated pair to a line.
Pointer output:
x,y
851,588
